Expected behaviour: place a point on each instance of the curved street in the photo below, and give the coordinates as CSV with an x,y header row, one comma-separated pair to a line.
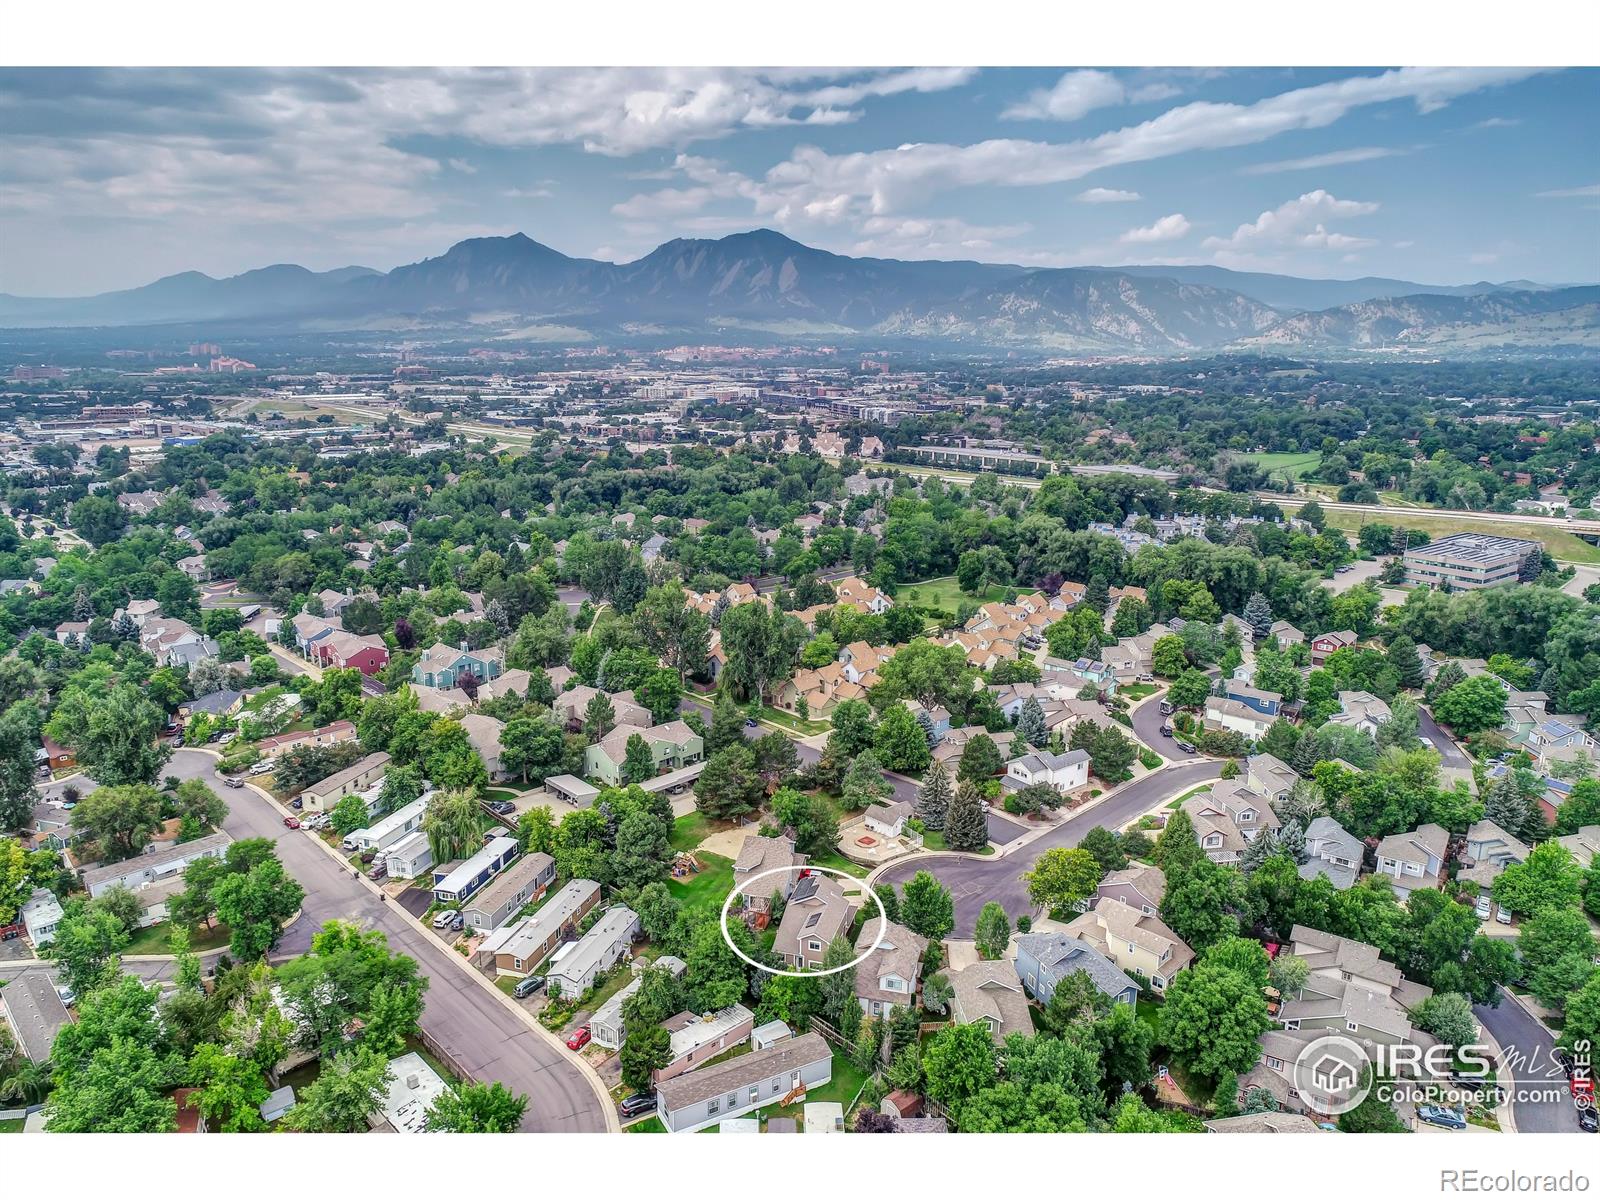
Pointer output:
x,y
1528,1051
974,881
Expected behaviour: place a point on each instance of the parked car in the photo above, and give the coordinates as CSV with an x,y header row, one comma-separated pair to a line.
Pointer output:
x,y
527,986
750,723
1588,1119
380,869
66,993
226,736
1444,1118
1167,708
579,1038
1501,916
1484,908
292,822
1146,677
458,924
1166,730
502,807
231,781
440,920
1187,747
261,768
637,1105
296,802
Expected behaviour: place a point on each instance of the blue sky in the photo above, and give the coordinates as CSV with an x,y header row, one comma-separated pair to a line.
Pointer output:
x,y
1440,175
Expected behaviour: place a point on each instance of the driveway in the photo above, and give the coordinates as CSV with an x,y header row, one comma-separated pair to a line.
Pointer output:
x,y
1360,571
1147,723
975,881
1528,1046
468,1019
1450,754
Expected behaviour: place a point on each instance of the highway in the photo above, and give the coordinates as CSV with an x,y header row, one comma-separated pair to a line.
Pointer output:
x,y
1400,511
974,881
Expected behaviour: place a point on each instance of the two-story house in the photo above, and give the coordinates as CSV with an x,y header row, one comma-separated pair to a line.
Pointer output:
x,y
890,968
1045,959
818,911
1227,817
765,866
444,666
1361,710
1066,772
1490,850
1414,860
991,994
1325,644
1136,942
1332,853
1139,886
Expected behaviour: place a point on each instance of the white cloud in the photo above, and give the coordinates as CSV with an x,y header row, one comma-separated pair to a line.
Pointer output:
x,y
1168,229
1074,95
462,165
1483,257
932,237
1295,224
1498,123
1405,245
1334,158
914,79
1573,193
1100,195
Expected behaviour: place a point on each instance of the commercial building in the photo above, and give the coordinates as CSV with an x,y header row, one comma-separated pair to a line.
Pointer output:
x,y
1468,561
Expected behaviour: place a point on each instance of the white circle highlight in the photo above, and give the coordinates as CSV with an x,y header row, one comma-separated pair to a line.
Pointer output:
x,y
883,923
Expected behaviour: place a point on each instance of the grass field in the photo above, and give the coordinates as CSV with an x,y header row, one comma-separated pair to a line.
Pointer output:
x,y
945,594
648,1125
153,940
706,891
1286,465
792,723
1559,542
689,830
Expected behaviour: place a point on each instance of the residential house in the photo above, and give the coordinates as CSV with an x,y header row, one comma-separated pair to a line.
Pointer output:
x,y
1045,959
673,745
1583,845
607,1027
949,750
325,794
1228,817
443,666
310,630
412,1089
391,829
36,1013
755,871
146,869
409,857
40,916
456,882
862,596
524,882
817,911
1136,942
519,947
697,1038
1267,704
570,707
1491,850
366,653
280,744
730,1089
1263,1122
1136,885
990,993
606,944
1331,853
1232,716
1361,710
1325,644
822,689
1065,772
1283,635
483,733
889,970
888,820
1271,776
861,662
1414,860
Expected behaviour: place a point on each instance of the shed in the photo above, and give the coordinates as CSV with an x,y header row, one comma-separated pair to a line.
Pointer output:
x,y
277,1104
766,1035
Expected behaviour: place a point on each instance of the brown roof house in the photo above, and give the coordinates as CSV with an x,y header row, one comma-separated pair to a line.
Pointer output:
x,y
817,912
891,973
990,992
1138,943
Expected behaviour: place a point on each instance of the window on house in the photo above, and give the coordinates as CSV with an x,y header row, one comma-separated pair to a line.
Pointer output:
x,y
1351,1026
1275,1063
713,1105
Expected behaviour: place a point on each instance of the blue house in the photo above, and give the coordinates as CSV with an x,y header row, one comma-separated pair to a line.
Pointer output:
x,y
1045,959
445,666
1266,703
455,882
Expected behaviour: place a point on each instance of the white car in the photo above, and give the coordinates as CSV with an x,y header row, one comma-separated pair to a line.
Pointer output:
x,y
1501,915
445,919
261,768
1484,908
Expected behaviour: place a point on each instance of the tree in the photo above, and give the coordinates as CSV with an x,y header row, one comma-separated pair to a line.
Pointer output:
x,y
642,852
647,1049
1213,1018
959,1062
926,907
477,1108
676,633
1199,902
121,1089
900,742
853,728
638,760
1062,879
1580,808
98,519
1373,1114
1582,1016
1031,724
1549,878
1473,705
349,815
348,1091
598,716
937,992
993,931
113,735
729,786
1288,974
255,904
933,798
1448,1016
661,692
1124,1042
1407,663
120,820
864,783
727,725
1111,754
533,747
1557,951
966,826
1167,657
759,644
451,823
933,675
776,758
980,760
198,803
1258,615
812,817
1189,689
231,1089
86,946
1106,848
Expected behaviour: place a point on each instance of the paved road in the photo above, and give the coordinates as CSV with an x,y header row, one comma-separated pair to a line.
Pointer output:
x,y
1450,754
481,1032
1399,512
1527,1046
1147,722
976,881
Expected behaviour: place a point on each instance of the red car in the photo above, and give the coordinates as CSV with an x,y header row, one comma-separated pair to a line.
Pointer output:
x,y
292,822
579,1038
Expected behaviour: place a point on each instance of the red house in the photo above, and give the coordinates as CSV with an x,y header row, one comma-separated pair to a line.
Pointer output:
x,y
364,653
1325,644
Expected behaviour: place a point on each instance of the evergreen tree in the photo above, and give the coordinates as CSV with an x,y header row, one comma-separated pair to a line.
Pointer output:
x,y
924,720
1449,675
933,798
1505,805
1403,657
1098,594
1258,615
1307,754
967,826
1030,723
1280,740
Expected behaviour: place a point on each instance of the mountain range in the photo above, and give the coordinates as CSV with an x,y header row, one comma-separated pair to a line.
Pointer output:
x,y
762,283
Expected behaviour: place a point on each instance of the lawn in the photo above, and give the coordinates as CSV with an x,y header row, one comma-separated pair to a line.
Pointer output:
x,y
945,594
840,863
501,794
153,940
13,1124
648,1125
933,839
841,1089
1561,544
706,891
689,830
1135,692
1194,791
792,723
1286,465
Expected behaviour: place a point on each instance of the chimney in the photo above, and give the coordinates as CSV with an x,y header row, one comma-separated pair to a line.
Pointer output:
x,y
463,647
